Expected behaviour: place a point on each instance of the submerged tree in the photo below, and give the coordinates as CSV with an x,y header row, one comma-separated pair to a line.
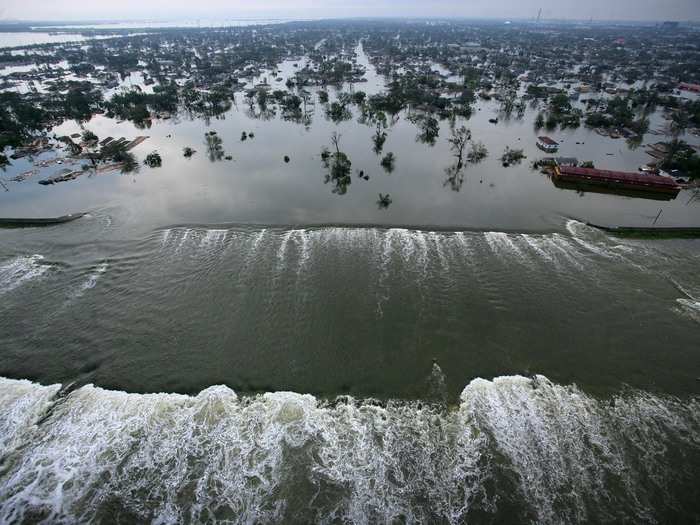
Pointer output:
x,y
384,201
153,160
388,162
681,156
455,172
215,148
338,166
378,140
429,130
679,123
539,121
127,161
477,153
512,156
89,137
338,112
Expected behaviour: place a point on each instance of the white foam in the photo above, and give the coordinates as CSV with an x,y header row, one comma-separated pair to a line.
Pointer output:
x,y
213,238
463,244
565,249
419,239
257,240
576,230
501,244
183,238
22,403
689,307
20,270
305,249
176,458
537,245
438,241
385,264
281,252
92,279
165,237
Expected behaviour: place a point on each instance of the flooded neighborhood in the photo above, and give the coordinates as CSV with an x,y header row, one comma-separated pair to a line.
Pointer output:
x,y
308,269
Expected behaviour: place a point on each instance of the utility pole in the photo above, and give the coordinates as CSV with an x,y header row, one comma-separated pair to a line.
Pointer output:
x,y
539,16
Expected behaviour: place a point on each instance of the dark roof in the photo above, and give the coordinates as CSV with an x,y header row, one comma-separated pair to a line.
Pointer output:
x,y
619,176
548,141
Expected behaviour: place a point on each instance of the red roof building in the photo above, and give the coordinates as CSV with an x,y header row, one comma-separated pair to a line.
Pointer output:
x,y
617,179
685,86
547,144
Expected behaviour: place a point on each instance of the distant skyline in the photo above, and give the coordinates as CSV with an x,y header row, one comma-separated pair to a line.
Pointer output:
x,y
168,10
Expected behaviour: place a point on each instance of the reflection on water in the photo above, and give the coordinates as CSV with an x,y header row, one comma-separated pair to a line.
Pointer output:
x,y
583,188
17,39
257,186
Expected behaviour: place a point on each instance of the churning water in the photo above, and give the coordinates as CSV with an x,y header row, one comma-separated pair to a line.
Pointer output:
x,y
514,449
588,343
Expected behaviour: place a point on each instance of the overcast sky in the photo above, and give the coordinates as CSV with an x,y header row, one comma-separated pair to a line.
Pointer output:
x,y
166,10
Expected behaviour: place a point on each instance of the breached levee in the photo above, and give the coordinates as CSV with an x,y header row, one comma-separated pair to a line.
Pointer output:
x,y
514,449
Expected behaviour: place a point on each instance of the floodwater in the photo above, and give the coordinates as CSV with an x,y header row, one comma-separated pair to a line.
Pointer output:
x,y
184,23
31,38
231,340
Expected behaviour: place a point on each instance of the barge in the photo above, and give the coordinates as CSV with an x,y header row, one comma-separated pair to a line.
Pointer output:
x,y
619,180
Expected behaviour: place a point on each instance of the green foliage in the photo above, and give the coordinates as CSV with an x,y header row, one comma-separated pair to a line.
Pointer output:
x,y
338,112
378,139
537,91
455,171
388,162
215,148
384,201
153,160
429,129
598,120
338,167
512,156
127,160
477,153
539,121
19,119
359,97
89,136
681,156
81,101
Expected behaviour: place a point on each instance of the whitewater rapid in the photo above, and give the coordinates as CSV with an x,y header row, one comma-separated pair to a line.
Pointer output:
x,y
520,448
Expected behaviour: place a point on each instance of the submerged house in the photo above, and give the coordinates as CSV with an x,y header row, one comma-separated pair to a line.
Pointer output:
x,y
547,144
